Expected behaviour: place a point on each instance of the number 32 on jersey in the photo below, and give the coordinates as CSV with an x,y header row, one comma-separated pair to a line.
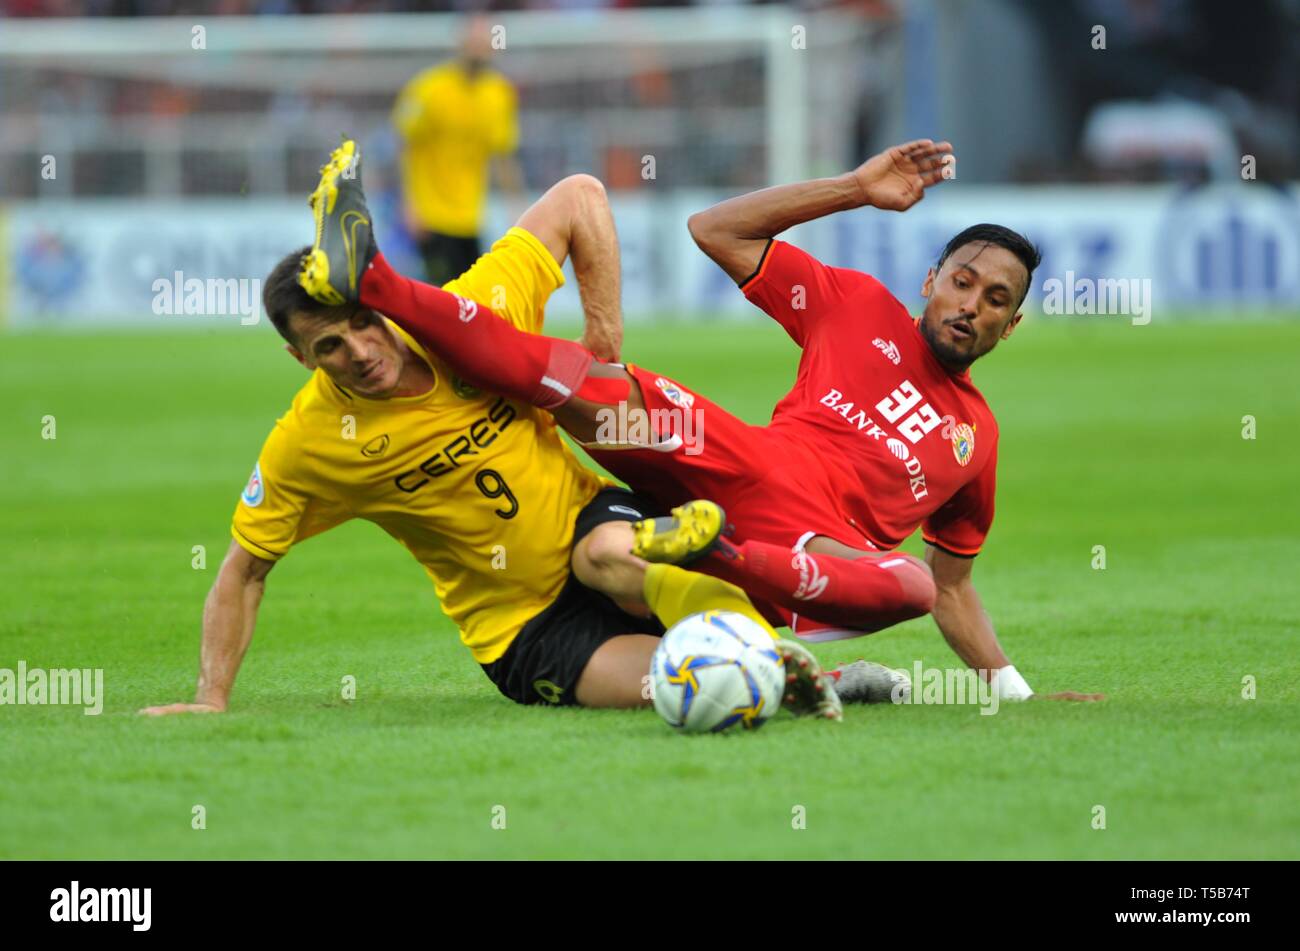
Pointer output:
x,y
904,398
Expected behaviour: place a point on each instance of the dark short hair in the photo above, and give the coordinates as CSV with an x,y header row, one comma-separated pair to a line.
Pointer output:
x,y
1015,242
283,296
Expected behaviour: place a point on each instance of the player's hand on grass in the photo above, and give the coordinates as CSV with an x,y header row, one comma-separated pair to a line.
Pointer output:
x,y
1070,695
897,178
166,709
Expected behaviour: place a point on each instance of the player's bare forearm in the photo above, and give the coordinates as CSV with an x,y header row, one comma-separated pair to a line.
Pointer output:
x,y
966,627
229,616
960,614
573,219
597,266
734,232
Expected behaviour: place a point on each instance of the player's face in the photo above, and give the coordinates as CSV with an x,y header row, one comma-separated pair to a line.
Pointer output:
x,y
360,353
972,303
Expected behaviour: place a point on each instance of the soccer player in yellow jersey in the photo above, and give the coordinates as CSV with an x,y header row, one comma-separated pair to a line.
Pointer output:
x,y
457,123
529,552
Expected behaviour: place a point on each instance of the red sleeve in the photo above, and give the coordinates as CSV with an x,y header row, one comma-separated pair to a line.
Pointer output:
x,y
795,289
961,524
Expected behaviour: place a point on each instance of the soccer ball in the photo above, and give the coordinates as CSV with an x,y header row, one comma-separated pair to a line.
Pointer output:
x,y
714,670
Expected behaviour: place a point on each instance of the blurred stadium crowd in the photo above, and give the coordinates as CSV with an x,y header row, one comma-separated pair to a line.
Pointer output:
x,y
60,8
1183,89
209,141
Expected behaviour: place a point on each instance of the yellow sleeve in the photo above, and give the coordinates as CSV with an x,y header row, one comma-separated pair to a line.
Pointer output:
x,y
410,109
515,279
278,508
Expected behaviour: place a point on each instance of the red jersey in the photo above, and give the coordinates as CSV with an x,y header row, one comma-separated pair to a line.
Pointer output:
x,y
903,440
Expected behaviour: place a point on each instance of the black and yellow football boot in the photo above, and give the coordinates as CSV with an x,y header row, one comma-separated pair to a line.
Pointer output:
x,y
345,244
688,534
691,532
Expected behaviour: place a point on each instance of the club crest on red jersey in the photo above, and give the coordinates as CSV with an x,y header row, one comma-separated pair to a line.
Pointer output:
x,y
675,394
963,443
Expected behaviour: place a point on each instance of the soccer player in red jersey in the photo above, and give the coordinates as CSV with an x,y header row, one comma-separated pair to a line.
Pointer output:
x,y
883,431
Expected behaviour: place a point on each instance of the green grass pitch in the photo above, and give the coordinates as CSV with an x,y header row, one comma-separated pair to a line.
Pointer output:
x,y
1126,437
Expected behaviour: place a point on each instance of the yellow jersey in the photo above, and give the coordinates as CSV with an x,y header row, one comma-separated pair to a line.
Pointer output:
x,y
451,124
481,490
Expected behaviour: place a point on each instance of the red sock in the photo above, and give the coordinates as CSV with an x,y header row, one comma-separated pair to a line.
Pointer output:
x,y
481,347
865,594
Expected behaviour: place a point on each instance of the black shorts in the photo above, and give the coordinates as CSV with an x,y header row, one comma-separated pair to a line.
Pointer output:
x,y
446,257
550,652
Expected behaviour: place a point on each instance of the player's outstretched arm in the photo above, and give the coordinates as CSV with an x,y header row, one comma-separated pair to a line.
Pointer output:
x,y
966,627
229,615
734,232
573,219
960,614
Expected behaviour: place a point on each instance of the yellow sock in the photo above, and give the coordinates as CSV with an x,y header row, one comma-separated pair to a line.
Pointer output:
x,y
674,593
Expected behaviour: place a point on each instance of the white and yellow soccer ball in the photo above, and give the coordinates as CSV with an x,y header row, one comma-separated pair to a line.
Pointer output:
x,y
714,670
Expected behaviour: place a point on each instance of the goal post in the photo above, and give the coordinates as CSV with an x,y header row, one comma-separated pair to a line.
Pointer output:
x,y
660,80
188,143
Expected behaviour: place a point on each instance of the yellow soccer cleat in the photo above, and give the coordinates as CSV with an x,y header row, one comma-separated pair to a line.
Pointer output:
x,y
344,245
691,532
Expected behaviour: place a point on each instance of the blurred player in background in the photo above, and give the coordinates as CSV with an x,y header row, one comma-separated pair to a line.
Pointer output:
x,y
456,122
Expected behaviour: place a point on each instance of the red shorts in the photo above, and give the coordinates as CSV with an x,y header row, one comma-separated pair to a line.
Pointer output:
x,y
772,486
